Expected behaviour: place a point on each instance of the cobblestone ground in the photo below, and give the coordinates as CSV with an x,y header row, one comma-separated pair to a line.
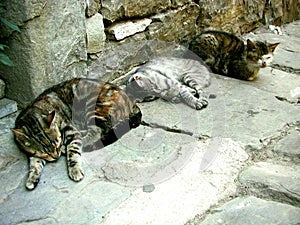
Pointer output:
x,y
235,162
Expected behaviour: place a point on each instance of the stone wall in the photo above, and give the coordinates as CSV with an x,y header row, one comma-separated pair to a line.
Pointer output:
x,y
52,44
50,48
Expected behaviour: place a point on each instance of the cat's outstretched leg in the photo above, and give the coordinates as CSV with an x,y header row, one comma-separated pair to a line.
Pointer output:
x,y
191,100
36,166
74,146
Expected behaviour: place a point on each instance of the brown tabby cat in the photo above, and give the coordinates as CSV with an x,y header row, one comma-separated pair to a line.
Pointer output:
x,y
79,113
226,54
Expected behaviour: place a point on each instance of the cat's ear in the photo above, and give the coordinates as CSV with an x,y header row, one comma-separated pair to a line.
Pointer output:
x,y
50,118
137,77
21,135
22,138
18,132
250,44
273,46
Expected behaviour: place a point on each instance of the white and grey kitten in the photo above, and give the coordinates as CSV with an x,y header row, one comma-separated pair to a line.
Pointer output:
x,y
173,79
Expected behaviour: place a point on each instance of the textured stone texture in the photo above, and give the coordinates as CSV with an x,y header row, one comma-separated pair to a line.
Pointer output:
x,y
92,7
273,181
177,25
251,211
240,16
289,145
183,191
115,10
95,34
7,107
117,60
50,48
232,16
126,29
2,89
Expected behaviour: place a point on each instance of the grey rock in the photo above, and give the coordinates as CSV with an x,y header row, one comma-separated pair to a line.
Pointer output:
x,y
244,16
116,10
289,145
115,62
50,48
273,181
125,29
93,7
2,89
7,107
95,34
251,211
148,188
176,26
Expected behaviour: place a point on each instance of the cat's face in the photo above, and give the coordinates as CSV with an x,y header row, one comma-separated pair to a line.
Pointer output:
x,y
140,85
260,54
45,143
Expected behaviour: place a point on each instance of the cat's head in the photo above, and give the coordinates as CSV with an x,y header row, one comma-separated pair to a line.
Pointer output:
x,y
260,53
140,85
41,138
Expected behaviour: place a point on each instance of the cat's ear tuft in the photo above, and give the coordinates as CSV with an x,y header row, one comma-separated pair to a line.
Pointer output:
x,y
50,118
137,77
273,46
250,44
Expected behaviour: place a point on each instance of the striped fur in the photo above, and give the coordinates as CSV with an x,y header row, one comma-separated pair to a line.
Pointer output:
x,y
173,79
227,54
79,114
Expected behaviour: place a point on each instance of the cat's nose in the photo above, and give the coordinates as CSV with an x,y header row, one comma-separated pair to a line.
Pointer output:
x,y
264,64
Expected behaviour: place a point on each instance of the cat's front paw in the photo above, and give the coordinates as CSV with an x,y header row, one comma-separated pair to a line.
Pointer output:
x,y
201,103
76,173
31,184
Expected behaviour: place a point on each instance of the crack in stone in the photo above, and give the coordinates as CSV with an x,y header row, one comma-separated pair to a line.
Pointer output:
x,y
265,149
284,99
174,130
286,69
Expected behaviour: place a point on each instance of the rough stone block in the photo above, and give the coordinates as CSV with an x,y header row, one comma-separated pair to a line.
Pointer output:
x,y
251,210
2,89
95,34
92,7
273,181
289,145
126,29
114,10
177,25
7,107
50,48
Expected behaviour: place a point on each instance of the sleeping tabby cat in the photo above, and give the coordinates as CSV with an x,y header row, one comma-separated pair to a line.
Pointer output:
x,y
226,54
79,113
173,79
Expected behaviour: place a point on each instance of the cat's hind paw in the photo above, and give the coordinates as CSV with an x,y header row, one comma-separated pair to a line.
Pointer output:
x,y
201,103
76,173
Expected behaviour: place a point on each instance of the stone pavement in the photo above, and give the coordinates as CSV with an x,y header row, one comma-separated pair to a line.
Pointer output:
x,y
235,162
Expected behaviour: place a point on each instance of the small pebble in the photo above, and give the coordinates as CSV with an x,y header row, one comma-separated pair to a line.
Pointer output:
x,y
148,188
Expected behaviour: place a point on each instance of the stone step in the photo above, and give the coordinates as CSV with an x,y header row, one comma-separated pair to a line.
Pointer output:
x,y
272,181
7,107
252,210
